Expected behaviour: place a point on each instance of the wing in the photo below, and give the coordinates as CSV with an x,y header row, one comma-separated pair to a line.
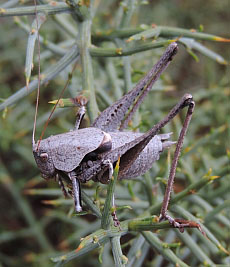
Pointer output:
x,y
67,150
148,155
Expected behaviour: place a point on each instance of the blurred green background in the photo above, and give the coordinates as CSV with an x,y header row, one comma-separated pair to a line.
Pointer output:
x,y
31,229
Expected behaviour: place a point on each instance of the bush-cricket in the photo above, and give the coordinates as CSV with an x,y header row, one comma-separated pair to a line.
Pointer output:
x,y
91,153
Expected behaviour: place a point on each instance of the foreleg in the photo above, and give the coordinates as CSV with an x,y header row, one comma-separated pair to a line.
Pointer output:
x,y
76,191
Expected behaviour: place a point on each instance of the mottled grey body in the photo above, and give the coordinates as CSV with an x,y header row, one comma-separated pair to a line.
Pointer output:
x,y
147,157
66,151
90,153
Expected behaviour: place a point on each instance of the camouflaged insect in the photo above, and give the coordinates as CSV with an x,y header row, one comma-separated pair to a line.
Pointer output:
x,y
92,153
89,154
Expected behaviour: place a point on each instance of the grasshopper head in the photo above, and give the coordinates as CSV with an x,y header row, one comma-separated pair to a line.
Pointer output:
x,y
44,160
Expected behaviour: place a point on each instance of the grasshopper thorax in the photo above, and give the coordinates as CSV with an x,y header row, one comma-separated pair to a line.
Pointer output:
x,y
65,152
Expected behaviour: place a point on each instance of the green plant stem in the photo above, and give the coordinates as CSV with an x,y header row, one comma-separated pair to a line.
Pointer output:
x,y
212,213
147,224
30,10
33,36
102,236
140,261
128,11
52,72
57,49
192,44
195,249
75,8
222,190
106,216
117,252
126,67
88,201
118,52
210,137
125,21
192,188
136,246
218,209
113,78
9,236
93,241
120,202
87,69
63,22
46,76
148,187
185,214
10,3
167,253
164,31
66,25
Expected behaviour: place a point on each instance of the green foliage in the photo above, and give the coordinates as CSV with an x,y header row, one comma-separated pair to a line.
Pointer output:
x,y
38,226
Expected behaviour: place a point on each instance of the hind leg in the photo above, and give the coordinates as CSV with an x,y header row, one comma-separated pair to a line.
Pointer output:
x,y
178,223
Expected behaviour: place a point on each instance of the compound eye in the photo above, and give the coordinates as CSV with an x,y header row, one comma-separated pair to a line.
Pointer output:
x,y
44,157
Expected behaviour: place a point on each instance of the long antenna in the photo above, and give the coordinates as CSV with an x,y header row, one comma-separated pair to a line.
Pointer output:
x,y
38,89
39,81
53,109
